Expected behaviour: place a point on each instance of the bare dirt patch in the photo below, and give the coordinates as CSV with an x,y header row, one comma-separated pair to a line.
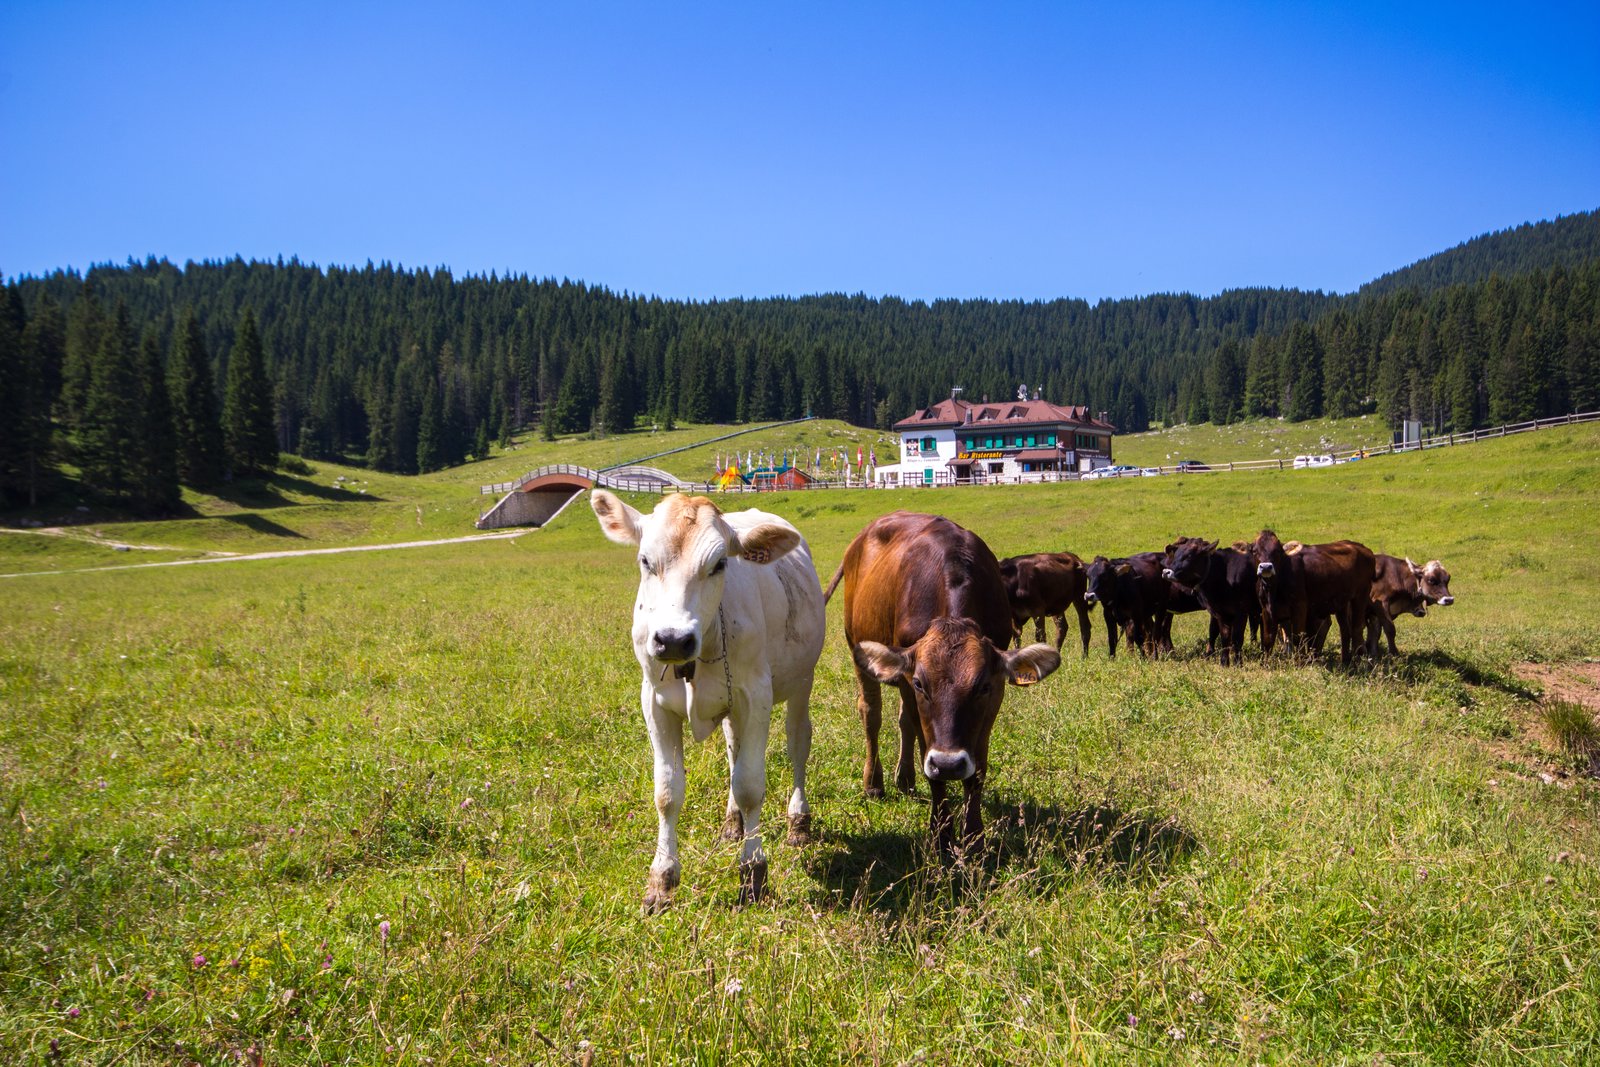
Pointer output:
x,y
1538,749
1577,682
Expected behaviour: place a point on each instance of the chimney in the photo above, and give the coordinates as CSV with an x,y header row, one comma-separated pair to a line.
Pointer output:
x,y
969,414
1036,392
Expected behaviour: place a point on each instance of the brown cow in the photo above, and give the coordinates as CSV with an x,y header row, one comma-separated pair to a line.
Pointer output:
x,y
1403,588
1046,584
925,611
1332,579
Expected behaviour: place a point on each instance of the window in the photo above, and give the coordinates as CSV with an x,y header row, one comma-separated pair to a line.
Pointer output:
x,y
928,445
1049,438
1030,440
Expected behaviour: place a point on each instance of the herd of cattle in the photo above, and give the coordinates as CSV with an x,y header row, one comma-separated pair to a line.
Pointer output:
x,y
729,622
1270,586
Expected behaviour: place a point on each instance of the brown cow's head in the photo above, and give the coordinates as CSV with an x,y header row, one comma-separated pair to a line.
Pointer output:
x,y
1101,579
958,678
684,549
1433,583
1187,560
1268,553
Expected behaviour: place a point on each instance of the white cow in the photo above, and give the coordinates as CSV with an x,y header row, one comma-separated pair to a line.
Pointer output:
x,y
728,624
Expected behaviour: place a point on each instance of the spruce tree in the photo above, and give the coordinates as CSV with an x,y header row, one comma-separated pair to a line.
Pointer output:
x,y
86,321
249,430
39,385
197,427
430,433
16,389
108,435
156,465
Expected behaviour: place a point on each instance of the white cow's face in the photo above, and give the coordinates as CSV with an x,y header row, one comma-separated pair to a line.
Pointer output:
x,y
685,547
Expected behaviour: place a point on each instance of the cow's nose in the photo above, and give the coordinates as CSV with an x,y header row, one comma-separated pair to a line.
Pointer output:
x,y
1446,601
943,765
1167,574
1263,569
673,646
1090,598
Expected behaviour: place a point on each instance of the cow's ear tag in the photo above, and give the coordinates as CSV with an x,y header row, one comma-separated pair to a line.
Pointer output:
x,y
756,555
1024,675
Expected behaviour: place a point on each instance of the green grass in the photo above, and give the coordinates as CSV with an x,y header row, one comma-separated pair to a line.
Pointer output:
x,y
1250,439
258,763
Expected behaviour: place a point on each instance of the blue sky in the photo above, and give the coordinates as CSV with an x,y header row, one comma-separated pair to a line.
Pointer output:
x,y
920,150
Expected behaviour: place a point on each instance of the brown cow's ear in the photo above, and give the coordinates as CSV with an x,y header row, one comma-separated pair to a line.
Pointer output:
x,y
618,521
885,663
1025,666
765,543
1124,569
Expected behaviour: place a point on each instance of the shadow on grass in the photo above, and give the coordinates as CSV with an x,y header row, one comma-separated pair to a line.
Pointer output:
x,y
269,493
262,525
1420,666
1040,845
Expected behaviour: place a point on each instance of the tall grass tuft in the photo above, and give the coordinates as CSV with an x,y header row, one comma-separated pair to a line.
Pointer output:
x,y
1572,726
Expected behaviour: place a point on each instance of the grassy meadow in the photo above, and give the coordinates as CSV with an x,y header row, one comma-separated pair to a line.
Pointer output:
x,y
395,807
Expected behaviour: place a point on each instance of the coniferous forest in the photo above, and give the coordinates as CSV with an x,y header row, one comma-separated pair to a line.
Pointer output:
x,y
149,375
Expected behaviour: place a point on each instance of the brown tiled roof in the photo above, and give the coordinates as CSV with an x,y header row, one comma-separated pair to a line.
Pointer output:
x,y
947,413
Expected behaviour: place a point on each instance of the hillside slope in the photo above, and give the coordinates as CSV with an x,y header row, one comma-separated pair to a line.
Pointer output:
x,y
1565,241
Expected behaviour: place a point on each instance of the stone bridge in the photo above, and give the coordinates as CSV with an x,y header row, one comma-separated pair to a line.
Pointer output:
x,y
541,495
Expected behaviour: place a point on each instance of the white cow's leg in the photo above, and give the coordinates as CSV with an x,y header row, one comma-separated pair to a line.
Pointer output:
x,y
750,789
732,821
666,739
797,728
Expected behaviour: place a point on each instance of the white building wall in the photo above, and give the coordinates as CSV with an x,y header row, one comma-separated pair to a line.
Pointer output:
x,y
915,462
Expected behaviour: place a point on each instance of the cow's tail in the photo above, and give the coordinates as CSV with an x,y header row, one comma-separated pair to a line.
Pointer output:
x,y
827,594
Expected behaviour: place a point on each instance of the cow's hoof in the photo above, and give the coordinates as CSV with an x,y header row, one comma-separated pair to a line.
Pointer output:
x,y
752,881
658,891
733,826
907,782
800,829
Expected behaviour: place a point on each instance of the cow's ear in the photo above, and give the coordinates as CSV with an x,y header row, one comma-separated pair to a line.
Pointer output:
x,y
1213,546
886,663
618,521
1124,569
1024,666
765,543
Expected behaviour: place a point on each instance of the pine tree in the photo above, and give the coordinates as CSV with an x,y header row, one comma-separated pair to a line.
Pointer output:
x,y
380,428
430,433
86,321
17,387
1302,371
108,435
1261,378
197,427
156,461
249,428
38,385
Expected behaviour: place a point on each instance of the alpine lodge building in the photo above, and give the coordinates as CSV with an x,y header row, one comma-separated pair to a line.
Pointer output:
x,y
959,443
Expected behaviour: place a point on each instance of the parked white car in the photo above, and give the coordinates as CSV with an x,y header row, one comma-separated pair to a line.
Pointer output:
x,y
1120,471
1302,462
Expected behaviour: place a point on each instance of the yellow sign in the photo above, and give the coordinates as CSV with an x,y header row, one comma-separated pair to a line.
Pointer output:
x,y
981,455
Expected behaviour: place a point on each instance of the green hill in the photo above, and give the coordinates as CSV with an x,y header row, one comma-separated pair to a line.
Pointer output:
x,y
1565,241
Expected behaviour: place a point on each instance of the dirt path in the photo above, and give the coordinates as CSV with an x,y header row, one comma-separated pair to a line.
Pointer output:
x,y
265,555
